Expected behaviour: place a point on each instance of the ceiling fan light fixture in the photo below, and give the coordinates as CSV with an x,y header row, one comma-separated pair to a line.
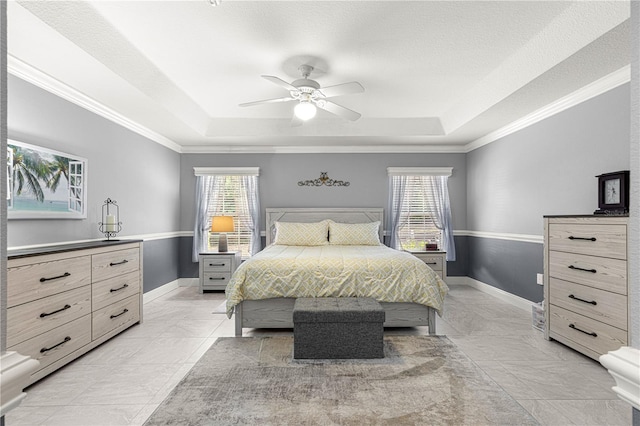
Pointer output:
x,y
305,110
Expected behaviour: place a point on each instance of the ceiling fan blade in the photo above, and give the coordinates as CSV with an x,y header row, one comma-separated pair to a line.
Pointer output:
x,y
267,101
280,82
339,110
296,122
342,89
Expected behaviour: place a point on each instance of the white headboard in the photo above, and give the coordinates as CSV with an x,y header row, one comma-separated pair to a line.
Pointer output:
x,y
342,215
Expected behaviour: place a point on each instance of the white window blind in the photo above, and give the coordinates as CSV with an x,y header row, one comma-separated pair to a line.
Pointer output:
x,y
416,225
230,197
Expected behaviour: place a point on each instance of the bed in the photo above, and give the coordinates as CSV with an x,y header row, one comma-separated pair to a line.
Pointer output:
x,y
262,291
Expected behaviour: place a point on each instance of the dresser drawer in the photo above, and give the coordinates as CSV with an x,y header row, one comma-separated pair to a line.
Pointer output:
x,y
432,261
109,291
218,280
591,334
121,313
34,281
108,265
217,264
40,316
597,240
605,306
57,343
599,272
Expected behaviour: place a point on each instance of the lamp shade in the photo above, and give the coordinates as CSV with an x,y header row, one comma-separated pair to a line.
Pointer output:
x,y
222,224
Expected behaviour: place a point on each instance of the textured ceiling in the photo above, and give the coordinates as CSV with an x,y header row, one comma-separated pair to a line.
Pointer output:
x,y
437,74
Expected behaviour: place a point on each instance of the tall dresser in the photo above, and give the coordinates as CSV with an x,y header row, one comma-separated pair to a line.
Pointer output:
x,y
62,301
586,282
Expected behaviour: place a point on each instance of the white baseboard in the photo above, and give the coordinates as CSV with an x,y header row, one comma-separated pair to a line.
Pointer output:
x,y
505,296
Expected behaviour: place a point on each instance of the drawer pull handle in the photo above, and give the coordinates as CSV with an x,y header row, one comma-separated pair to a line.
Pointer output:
x,y
217,264
66,339
593,271
217,278
46,314
582,331
431,263
121,313
119,288
119,263
592,302
582,238
66,274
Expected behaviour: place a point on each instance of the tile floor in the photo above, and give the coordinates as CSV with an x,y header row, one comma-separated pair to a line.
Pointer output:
x,y
125,379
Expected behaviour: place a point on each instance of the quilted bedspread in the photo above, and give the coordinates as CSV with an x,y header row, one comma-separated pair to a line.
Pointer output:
x,y
379,272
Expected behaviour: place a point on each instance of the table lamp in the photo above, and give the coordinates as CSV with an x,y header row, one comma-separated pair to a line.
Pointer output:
x,y
221,225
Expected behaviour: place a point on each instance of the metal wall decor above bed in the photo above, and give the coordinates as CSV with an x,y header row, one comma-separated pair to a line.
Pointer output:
x,y
323,180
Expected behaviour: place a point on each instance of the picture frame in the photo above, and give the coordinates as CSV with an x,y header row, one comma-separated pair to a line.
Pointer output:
x,y
613,193
45,184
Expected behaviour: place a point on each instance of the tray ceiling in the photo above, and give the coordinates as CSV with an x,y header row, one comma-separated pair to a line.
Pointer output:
x,y
438,75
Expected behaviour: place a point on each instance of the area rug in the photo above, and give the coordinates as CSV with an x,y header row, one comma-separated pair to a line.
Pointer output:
x,y
422,380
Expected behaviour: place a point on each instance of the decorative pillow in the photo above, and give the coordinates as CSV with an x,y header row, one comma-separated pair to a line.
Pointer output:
x,y
354,234
302,234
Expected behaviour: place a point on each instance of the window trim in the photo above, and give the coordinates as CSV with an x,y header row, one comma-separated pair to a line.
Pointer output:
x,y
226,171
420,171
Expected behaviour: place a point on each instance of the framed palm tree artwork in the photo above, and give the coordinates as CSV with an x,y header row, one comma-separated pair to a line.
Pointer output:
x,y
45,184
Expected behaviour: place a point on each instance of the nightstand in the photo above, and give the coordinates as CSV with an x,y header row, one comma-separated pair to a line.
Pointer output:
x,y
436,260
216,269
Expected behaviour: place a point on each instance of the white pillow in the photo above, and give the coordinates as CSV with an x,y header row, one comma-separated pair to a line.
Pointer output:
x,y
302,234
354,234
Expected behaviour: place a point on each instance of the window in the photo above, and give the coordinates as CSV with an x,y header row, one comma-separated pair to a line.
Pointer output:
x,y
227,192
417,226
419,209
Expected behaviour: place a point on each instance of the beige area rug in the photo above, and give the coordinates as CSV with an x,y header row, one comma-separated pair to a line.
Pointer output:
x,y
423,380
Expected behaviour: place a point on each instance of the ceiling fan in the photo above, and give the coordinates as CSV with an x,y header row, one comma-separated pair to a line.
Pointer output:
x,y
310,95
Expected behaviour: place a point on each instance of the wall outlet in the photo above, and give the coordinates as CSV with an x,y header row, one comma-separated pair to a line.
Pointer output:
x,y
540,279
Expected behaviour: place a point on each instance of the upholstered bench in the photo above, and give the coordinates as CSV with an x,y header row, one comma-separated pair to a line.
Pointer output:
x,y
337,328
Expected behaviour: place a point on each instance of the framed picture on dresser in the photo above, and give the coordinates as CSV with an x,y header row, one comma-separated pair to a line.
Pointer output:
x,y
45,184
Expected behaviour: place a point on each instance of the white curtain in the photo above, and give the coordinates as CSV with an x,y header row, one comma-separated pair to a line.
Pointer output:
x,y
437,189
204,192
397,185
250,185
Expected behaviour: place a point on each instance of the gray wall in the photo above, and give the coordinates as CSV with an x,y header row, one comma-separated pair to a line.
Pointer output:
x,y
545,169
367,174
141,175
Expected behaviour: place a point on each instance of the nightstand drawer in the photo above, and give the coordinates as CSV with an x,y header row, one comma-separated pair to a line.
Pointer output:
x,y
43,315
217,264
592,334
216,279
605,306
432,261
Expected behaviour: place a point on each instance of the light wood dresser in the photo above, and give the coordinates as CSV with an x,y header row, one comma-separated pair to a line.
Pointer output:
x,y
436,260
216,269
586,282
63,301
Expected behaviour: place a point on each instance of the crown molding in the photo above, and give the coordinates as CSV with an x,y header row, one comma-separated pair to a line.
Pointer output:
x,y
598,87
36,77
326,149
